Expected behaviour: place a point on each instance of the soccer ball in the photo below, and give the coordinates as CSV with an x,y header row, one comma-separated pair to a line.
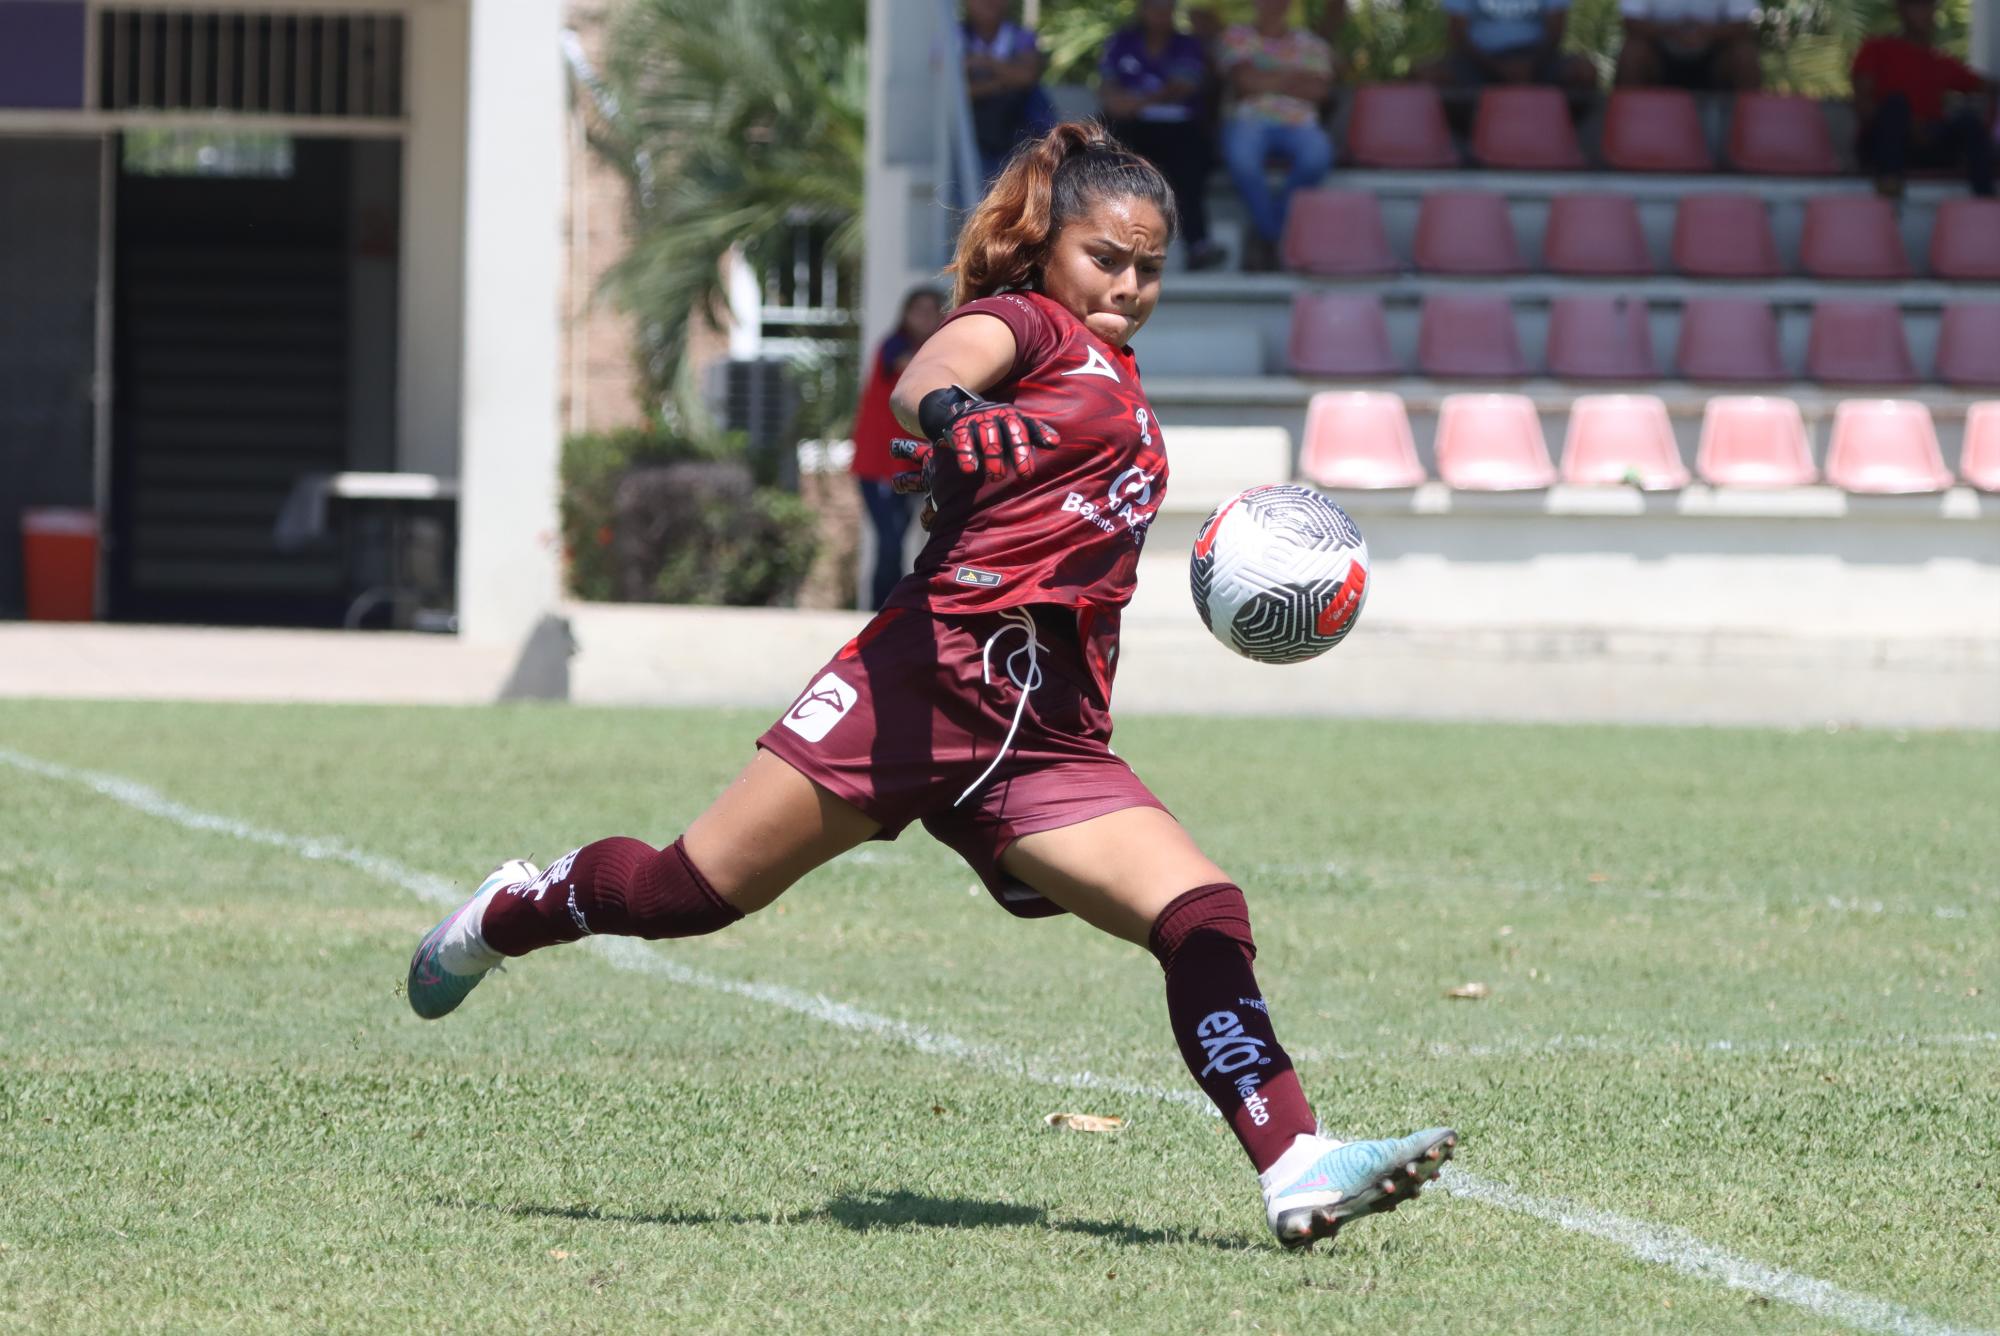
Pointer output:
x,y
1279,573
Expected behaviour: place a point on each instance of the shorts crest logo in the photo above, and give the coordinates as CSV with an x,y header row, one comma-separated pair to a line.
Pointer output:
x,y
824,704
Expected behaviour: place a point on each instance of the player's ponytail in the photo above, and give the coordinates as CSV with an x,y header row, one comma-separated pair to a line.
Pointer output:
x,y
1047,182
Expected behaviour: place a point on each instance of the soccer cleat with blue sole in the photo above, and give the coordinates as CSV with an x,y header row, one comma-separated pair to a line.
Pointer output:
x,y
453,957
1319,1185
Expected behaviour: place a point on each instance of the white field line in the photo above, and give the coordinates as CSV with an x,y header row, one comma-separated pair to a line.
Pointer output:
x,y
1663,1245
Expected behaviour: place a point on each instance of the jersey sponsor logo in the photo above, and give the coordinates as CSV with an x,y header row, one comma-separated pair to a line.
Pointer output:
x,y
1095,365
1106,517
968,575
1228,1048
824,704
557,871
1132,487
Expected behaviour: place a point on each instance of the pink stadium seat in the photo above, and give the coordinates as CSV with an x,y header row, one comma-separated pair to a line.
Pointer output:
x,y
1968,349
1885,445
1965,239
1753,441
1979,458
1336,232
1600,338
1622,438
1492,443
1724,236
1399,125
1730,339
1859,343
1852,236
1655,130
1595,235
1781,135
1340,334
1466,232
1525,127
1359,439
1468,334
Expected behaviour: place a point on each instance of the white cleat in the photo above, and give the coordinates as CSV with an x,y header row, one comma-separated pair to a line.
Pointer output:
x,y
1319,1184
453,957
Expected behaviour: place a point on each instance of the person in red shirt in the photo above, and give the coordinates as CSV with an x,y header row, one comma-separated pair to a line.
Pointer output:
x,y
1918,106
875,427
978,701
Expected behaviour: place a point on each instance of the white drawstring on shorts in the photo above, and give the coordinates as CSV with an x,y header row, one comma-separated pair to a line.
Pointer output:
x,y
1018,619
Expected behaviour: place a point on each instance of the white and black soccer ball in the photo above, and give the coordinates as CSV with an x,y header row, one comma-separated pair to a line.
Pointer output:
x,y
1279,573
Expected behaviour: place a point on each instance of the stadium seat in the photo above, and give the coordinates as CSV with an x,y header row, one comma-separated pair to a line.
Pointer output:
x,y
1468,334
1492,443
1724,236
1399,125
1885,445
1965,239
1750,440
1595,235
1968,347
1655,130
1979,457
1359,439
1466,232
1780,135
1852,236
1336,232
1728,339
1340,334
1622,438
1526,128
1600,338
1858,343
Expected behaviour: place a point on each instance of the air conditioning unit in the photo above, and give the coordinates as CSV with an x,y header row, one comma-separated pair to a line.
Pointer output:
x,y
755,396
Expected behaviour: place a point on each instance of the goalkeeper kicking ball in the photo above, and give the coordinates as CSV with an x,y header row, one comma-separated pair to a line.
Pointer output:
x,y
1279,573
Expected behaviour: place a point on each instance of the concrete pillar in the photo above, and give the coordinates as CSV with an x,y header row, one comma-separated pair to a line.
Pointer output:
x,y
1986,37
509,549
432,269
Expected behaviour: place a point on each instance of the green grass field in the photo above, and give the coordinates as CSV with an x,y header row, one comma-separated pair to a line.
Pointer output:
x,y
1744,986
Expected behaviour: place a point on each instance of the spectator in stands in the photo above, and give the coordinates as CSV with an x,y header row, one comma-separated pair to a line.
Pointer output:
x,y
1507,42
1003,78
1917,105
1697,44
1279,76
1150,82
875,426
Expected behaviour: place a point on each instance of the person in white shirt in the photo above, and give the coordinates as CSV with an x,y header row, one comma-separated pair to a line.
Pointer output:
x,y
1698,44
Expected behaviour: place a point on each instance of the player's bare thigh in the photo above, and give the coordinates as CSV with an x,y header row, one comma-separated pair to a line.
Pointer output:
x,y
770,827
1115,872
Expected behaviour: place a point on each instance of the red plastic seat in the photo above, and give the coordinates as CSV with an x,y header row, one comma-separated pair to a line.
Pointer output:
x,y
1885,445
1781,135
1340,334
1399,125
1965,239
1729,339
1600,338
1724,236
1525,127
1968,348
1655,130
1595,235
1359,439
1492,443
1859,343
1468,334
1336,232
1749,440
1979,457
1852,236
1622,438
1466,232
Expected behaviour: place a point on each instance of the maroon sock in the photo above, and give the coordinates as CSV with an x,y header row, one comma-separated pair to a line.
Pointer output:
x,y
619,886
1221,1023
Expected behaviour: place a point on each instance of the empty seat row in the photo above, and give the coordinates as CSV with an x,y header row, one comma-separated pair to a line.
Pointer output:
x,y
1341,233
1494,442
1593,337
1645,130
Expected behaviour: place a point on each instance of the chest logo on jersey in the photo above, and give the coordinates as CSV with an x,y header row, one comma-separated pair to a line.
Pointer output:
x,y
1095,365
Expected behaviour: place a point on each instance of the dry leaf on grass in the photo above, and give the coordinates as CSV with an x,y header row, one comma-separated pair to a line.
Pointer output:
x,y
1470,992
1085,1122
558,1254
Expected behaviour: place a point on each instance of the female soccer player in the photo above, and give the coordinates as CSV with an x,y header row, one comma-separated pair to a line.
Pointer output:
x,y
978,701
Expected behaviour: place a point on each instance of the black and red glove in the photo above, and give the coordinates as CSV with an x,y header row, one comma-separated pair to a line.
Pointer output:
x,y
983,437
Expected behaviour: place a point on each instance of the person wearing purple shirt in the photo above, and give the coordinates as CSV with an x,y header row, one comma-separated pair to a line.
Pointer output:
x,y
1151,81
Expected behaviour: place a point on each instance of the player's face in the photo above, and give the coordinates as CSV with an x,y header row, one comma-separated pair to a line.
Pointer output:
x,y
1105,267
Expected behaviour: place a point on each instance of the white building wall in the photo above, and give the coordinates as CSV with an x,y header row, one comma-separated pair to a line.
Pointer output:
x,y
433,269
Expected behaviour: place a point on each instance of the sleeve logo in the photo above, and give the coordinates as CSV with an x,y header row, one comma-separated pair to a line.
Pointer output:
x,y
824,704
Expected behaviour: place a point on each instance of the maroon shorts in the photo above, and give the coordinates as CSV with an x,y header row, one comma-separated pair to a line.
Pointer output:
x,y
900,723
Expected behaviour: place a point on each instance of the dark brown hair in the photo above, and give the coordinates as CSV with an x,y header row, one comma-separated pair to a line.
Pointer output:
x,y
1047,182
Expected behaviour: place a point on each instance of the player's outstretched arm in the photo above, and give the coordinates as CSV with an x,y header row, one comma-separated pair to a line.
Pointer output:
x,y
974,434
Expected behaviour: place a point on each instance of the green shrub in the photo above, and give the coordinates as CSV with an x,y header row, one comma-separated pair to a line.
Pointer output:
x,y
752,555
